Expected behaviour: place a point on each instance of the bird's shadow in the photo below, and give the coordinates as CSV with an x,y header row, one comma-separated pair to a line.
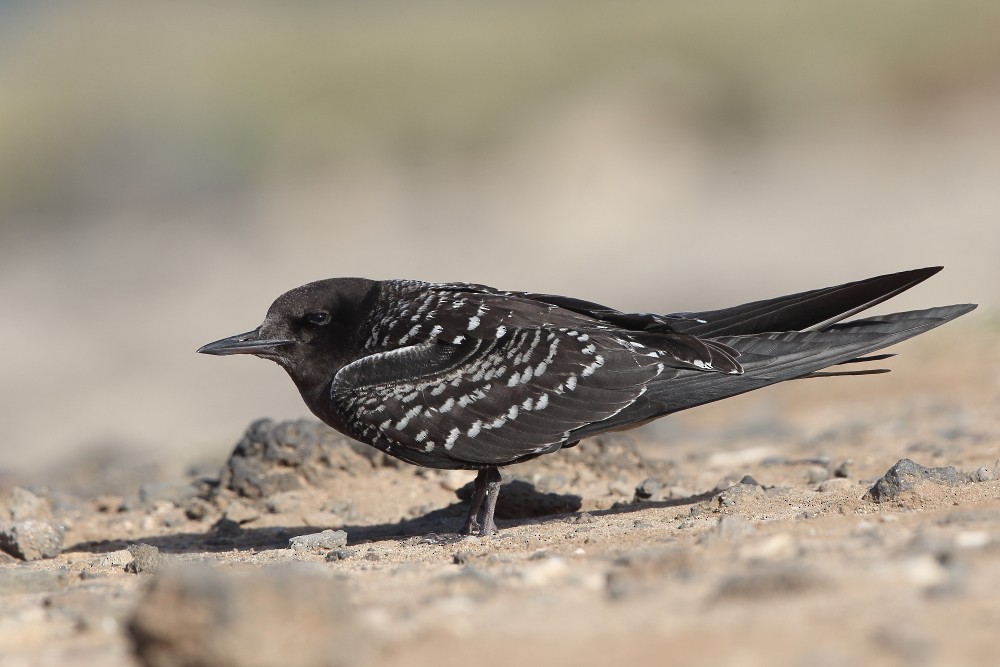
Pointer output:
x,y
435,527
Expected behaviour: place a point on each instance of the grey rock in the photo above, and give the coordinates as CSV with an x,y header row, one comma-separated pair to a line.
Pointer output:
x,y
197,509
197,616
816,474
906,474
835,484
649,489
340,554
145,558
23,504
31,539
981,475
844,469
325,541
241,512
273,457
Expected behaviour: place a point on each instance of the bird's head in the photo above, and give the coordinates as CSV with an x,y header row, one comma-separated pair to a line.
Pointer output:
x,y
309,330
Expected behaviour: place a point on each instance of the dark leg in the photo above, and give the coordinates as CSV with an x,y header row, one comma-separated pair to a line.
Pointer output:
x,y
479,520
471,525
492,485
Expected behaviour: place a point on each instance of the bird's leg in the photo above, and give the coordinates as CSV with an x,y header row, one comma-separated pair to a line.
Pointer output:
x,y
471,525
492,484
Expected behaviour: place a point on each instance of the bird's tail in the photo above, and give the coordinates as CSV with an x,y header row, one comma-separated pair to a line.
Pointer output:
x,y
768,358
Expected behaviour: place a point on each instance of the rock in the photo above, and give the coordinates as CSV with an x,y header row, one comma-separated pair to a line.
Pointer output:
x,y
145,558
981,475
23,504
835,484
240,512
906,474
844,469
340,554
649,489
31,539
197,509
325,541
274,457
119,558
817,474
197,616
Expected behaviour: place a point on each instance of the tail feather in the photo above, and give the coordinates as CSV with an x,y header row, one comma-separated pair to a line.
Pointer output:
x,y
805,311
769,358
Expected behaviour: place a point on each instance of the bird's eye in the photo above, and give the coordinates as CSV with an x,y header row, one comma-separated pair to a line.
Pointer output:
x,y
318,318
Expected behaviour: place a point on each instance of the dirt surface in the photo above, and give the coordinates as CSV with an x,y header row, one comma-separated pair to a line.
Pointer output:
x,y
741,534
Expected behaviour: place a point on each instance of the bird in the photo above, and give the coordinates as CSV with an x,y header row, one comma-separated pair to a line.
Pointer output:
x,y
465,376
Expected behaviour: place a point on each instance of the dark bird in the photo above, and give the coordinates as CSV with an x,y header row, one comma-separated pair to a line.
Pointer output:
x,y
459,375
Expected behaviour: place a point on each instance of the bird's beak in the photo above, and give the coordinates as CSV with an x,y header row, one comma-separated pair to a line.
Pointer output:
x,y
244,343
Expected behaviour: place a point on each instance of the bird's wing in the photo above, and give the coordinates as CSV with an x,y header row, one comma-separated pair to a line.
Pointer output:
x,y
769,358
804,311
490,379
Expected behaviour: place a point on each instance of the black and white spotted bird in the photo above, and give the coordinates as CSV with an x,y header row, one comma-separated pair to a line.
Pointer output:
x,y
465,376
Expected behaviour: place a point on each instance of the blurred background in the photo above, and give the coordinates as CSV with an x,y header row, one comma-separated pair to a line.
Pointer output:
x,y
167,169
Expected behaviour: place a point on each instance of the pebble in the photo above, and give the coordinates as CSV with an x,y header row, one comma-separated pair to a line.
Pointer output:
x,y
649,489
981,475
240,512
816,474
31,539
325,541
119,558
835,484
23,504
339,554
145,558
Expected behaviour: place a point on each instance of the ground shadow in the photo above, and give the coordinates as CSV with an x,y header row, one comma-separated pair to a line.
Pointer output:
x,y
437,526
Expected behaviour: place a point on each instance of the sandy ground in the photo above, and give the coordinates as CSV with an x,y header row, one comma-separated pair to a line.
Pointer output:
x,y
793,567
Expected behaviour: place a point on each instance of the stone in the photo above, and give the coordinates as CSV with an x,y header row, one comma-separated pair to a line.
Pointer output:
x,y
981,475
31,539
835,484
145,558
241,512
325,541
275,457
649,489
906,474
23,504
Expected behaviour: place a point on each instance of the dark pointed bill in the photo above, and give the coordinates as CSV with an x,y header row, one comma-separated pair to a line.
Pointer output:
x,y
244,343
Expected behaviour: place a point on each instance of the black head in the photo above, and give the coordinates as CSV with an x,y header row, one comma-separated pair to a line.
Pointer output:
x,y
309,330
